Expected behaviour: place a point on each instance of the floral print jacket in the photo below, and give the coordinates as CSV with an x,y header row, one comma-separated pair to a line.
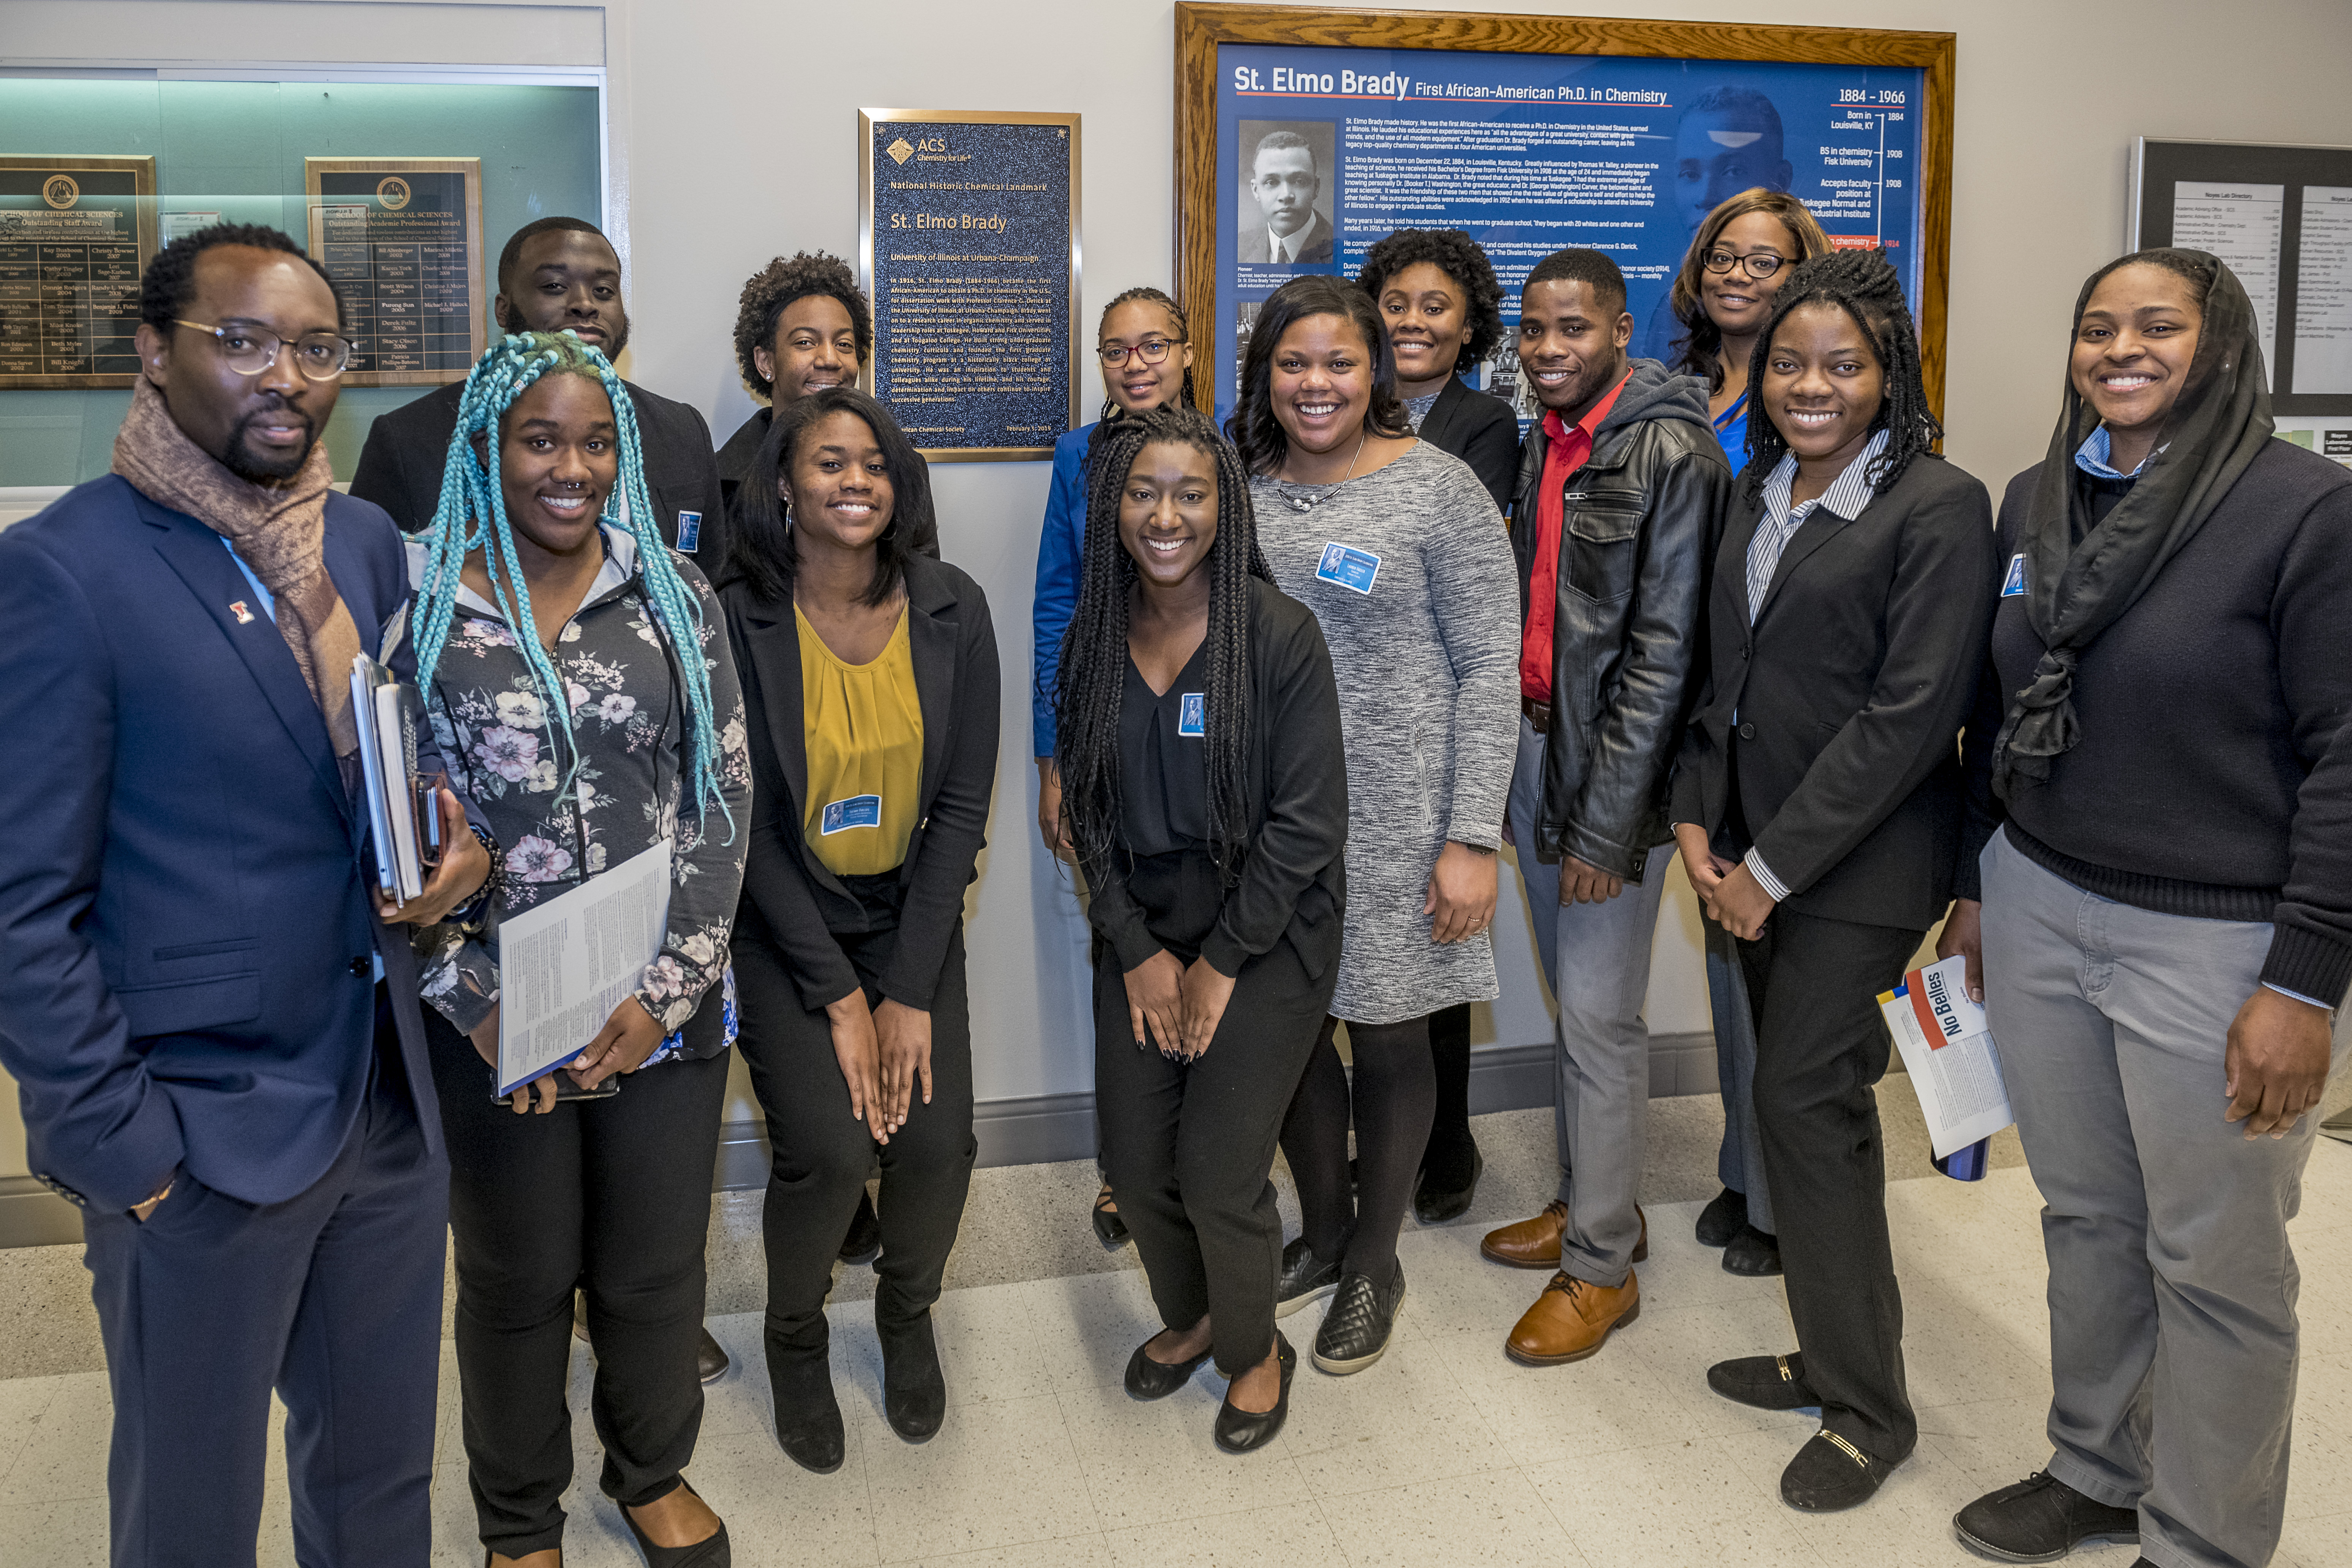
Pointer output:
x,y
630,720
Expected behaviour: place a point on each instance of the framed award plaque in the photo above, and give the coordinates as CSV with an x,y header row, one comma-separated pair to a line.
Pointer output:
x,y
402,238
76,236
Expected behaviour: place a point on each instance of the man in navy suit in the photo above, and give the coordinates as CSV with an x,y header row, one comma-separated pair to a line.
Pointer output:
x,y
212,1027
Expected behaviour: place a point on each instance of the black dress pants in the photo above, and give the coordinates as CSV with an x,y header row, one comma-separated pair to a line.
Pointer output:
x,y
609,1197
1821,1044
820,1154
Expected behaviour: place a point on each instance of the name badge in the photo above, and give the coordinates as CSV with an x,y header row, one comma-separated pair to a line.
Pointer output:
x,y
689,531
1348,567
2013,583
1193,714
857,810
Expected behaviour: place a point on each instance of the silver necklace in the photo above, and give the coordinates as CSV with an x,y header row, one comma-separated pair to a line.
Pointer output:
x,y
1308,503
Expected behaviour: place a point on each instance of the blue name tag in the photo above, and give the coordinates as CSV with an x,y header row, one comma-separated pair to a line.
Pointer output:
x,y
689,531
1348,567
1193,714
857,810
2013,584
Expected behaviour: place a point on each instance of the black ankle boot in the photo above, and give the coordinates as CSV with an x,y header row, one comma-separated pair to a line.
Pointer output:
x,y
808,1418
914,1390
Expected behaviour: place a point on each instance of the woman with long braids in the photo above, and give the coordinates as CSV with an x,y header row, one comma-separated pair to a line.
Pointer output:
x,y
871,675
576,672
1398,549
1816,806
1197,721
1147,362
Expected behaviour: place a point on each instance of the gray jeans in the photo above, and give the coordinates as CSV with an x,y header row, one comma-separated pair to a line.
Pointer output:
x,y
2172,1289
1597,959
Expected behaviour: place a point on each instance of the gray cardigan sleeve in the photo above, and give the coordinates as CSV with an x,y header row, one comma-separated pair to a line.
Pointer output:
x,y
1467,556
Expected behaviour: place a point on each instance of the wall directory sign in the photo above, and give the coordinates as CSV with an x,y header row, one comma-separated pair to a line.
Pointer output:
x,y
75,236
402,238
1304,135
968,247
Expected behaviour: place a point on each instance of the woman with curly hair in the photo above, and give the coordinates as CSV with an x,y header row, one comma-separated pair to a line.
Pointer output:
x,y
576,674
1437,292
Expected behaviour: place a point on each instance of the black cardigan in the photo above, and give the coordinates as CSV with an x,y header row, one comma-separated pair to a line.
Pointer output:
x,y
1294,878
1479,428
788,894
1845,699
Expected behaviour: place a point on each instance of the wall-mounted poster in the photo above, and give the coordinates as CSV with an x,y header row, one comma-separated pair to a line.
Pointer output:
x,y
402,238
76,235
1305,135
968,247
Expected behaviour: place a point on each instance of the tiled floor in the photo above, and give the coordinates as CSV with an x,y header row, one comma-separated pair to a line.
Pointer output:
x,y
1444,1453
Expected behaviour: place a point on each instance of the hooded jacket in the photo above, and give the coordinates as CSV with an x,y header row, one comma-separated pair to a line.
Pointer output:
x,y
1639,526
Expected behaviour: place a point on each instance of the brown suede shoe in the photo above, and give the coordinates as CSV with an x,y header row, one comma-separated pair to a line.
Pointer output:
x,y
1534,1243
1571,1319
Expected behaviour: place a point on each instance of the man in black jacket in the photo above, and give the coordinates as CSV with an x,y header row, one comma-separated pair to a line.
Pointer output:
x,y
557,274
1622,491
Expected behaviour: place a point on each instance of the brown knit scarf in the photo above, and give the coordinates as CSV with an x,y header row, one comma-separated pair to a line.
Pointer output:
x,y
278,531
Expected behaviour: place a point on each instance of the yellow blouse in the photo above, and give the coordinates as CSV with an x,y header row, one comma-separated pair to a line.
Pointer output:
x,y
865,737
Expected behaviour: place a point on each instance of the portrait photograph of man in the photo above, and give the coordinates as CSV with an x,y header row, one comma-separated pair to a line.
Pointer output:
x,y
1285,202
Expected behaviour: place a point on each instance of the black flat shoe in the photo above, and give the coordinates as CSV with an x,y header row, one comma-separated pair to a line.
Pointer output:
x,y
1109,1229
914,1390
1725,1216
710,1551
1239,1431
808,1418
1149,1379
1435,1206
1830,1474
2040,1519
863,1242
709,1359
1752,1253
1304,1278
1766,1381
1360,1323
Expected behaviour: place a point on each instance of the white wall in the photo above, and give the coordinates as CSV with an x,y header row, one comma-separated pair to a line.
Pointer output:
x,y
733,138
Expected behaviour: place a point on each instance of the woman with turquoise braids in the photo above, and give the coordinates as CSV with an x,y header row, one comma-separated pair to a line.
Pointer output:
x,y
577,673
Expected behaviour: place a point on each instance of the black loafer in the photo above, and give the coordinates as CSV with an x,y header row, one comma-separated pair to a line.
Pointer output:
x,y
808,1418
1304,1278
710,1551
1830,1474
1725,1216
1436,1205
1239,1431
1362,1320
1149,1379
2040,1519
862,1244
1766,1381
1752,1253
914,1390
1109,1229
709,1359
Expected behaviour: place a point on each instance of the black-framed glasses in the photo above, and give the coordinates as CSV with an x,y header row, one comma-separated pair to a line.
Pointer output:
x,y
1150,350
249,351
1759,264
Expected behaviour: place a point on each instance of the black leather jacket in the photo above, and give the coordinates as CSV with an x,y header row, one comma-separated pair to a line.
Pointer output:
x,y
1640,524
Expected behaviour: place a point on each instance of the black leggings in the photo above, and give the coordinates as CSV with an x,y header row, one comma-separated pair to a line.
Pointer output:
x,y
1394,1097
1452,1151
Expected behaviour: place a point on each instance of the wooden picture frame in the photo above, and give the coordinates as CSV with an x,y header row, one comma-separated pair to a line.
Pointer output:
x,y
1201,28
359,307
28,278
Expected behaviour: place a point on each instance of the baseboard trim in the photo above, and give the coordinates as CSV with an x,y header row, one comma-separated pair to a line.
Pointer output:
x,y
32,1216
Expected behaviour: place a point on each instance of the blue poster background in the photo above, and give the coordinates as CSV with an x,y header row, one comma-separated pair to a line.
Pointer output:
x,y
1528,154
971,286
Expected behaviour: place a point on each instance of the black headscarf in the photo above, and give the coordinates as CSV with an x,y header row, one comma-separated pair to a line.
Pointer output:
x,y
2074,592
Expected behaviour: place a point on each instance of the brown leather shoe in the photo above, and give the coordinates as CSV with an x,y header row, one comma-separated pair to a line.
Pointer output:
x,y
1534,1243
1571,1319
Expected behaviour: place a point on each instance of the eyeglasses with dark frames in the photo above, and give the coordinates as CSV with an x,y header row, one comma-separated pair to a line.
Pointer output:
x,y
1758,264
1150,350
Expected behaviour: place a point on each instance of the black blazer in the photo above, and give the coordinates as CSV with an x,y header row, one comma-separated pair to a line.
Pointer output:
x,y
788,895
1294,880
401,466
1845,699
1479,428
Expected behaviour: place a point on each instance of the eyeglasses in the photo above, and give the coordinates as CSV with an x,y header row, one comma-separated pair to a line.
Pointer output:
x,y
249,351
1759,264
1150,350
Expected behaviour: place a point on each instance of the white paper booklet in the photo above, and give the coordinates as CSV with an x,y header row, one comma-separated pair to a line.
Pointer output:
x,y
564,966
1948,1048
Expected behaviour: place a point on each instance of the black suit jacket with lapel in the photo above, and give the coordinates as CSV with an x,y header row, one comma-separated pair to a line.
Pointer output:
x,y
1479,428
788,897
1836,716
401,466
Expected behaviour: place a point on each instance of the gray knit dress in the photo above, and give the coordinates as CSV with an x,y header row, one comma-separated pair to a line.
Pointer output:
x,y
1428,669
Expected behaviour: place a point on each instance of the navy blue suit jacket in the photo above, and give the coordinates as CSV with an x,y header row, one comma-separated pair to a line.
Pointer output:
x,y
184,888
